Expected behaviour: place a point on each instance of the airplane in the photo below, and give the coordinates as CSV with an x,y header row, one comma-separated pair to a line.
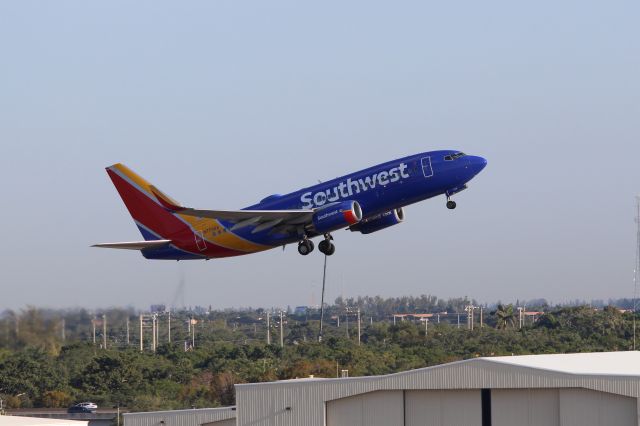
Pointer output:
x,y
366,201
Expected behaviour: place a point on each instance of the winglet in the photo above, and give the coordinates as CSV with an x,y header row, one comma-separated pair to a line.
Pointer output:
x,y
166,201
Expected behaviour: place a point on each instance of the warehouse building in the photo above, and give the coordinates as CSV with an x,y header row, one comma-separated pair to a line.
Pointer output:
x,y
590,389
201,417
534,390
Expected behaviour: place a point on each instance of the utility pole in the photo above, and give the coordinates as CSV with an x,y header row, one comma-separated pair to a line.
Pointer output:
x,y
153,332
347,323
169,326
93,324
193,334
268,330
127,330
63,329
520,316
359,327
104,331
141,335
458,319
281,331
426,327
481,318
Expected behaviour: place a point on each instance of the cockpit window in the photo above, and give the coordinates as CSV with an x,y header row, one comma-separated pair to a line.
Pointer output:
x,y
454,156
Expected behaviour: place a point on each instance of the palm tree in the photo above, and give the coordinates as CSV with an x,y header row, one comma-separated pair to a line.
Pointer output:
x,y
505,317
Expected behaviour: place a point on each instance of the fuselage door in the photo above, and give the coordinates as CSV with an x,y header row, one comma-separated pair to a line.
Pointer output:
x,y
427,170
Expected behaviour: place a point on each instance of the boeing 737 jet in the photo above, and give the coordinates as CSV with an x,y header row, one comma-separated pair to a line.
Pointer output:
x,y
366,201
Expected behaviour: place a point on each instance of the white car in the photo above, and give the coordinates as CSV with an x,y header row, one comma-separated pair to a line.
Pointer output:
x,y
89,405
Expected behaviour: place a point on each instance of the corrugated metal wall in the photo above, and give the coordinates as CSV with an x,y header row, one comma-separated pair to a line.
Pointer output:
x,y
180,417
525,407
443,408
266,403
383,408
582,407
230,422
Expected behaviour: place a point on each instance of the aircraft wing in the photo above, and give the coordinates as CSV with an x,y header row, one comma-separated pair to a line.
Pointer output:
x,y
277,220
134,245
261,219
289,216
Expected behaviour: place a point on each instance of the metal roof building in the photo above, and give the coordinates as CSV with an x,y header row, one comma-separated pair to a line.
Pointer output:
x,y
36,421
207,416
533,390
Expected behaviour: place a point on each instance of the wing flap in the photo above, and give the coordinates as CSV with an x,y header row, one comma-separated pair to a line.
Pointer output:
x,y
134,245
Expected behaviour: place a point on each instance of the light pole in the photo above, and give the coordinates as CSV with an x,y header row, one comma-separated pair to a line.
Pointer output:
x,y
268,330
358,326
281,331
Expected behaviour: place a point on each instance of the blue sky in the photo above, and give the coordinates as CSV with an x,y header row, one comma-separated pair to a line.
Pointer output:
x,y
222,103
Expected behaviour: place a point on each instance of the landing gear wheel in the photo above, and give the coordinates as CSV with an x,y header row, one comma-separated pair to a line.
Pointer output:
x,y
305,247
451,205
327,247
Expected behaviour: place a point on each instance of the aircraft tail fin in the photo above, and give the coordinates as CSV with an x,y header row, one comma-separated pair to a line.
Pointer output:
x,y
151,209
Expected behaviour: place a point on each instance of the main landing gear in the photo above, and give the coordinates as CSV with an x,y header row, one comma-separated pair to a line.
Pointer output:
x,y
325,246
450,203
305,247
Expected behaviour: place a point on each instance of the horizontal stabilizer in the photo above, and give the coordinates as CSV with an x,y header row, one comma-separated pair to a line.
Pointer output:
x,y
135,245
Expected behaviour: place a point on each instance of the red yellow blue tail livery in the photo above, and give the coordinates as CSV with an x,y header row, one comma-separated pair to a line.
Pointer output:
x,y
366,201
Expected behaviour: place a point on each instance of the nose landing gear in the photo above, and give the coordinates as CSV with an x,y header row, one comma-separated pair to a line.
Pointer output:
x,y
450,203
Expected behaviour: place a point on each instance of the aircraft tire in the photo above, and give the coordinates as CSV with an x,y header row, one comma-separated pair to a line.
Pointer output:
x,y
451,205
331,250
327,247
305,247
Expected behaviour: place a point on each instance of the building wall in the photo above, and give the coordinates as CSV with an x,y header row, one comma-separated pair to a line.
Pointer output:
x,y
582,407
443,408
229,422
382,408
265,403
525,407
180,417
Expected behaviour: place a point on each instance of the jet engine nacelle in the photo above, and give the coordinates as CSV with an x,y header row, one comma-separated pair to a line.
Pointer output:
x,y
378,222
337,216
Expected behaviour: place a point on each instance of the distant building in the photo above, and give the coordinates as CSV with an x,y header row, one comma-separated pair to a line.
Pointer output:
x,y
301,310
158,308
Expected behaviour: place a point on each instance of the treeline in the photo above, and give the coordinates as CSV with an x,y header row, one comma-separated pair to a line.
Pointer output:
x,y
41,370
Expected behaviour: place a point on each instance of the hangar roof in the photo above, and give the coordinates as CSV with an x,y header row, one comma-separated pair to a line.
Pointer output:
x,y
38,421
594,363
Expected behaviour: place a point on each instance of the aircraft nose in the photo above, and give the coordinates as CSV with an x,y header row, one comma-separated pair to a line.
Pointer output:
x,y
477,163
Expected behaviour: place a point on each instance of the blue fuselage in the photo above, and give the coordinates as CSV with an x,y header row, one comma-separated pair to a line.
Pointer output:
x,y
380,188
